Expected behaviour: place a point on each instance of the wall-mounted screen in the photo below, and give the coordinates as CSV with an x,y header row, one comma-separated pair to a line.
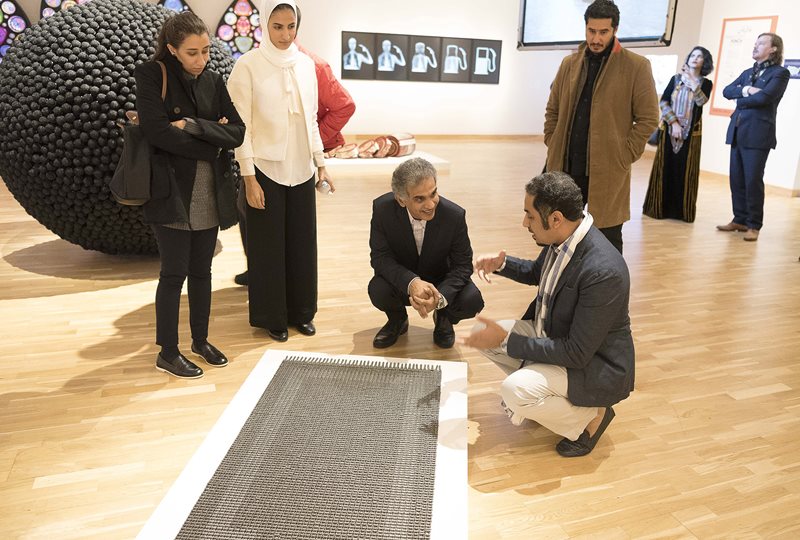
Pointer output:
x,y
559,24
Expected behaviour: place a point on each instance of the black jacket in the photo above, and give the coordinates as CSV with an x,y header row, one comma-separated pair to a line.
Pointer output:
x,y
446,258
176,152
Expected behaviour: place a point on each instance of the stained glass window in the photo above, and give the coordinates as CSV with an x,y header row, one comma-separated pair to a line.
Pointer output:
x,y
13,22
49,7
239,27
175,5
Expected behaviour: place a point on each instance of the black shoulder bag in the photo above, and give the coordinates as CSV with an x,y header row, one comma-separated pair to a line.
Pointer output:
x,y
130,184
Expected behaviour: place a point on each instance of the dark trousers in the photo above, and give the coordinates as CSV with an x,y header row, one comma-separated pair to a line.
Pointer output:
x,y
241,206
282,255
384,296
183,254
747,185
614,234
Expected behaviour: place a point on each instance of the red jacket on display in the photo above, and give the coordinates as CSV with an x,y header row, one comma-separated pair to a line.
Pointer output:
x,y
336,106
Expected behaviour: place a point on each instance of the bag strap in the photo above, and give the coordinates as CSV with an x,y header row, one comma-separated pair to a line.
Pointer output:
x,y
163,80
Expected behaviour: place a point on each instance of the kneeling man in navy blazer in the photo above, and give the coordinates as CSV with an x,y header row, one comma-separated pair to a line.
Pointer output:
x,y
570,357
422,257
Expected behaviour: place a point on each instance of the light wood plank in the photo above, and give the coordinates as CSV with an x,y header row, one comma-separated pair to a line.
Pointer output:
x,y
92,436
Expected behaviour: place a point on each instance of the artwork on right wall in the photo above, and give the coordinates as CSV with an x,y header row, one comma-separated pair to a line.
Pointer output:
x,y
735,55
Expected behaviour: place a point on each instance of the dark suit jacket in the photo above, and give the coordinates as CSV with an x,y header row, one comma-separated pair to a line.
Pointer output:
x,y
753,120
446,258
176,152
588,329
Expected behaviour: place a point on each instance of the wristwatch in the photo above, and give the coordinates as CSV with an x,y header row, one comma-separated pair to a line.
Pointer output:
x,y
441,303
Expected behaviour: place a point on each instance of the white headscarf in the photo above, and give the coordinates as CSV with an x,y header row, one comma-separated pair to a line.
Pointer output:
x,y
284,59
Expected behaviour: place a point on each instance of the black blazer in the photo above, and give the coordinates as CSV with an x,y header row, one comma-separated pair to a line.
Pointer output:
x,y
176,152
753,120
446,258
588,330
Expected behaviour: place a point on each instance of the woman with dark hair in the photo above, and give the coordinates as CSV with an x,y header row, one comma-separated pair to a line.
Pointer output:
x,y
192,192
672,192
275,89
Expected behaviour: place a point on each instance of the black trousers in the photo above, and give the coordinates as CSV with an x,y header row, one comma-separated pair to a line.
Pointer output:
x,y
747,185
387,298
241,206
282,255
614,234
183,254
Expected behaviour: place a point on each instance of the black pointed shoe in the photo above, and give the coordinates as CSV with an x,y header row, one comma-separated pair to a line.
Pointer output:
x,y
307,329
180,367
210,354
585,443
241,279
279,335
387,336
443,334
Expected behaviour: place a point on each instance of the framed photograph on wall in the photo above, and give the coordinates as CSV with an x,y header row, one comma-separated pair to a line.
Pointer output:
x,y
391,64
358,60
456,64
424,59
486,61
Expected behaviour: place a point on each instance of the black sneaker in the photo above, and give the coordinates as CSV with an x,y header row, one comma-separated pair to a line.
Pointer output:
x,y
180,367
210,354
241,279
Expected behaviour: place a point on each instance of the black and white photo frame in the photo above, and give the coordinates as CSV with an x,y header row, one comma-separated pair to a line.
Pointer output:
x,y
399,57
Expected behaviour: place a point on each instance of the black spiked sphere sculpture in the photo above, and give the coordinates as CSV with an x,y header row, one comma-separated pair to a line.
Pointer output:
x,y
65,84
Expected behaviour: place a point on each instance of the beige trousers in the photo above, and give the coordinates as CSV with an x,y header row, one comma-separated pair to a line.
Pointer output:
x,y
538,391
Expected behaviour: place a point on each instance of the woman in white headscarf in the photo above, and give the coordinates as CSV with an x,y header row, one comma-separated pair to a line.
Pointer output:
x,y
274,88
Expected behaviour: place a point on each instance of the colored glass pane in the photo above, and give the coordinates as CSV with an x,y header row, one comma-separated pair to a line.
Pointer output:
x,y
13,22
51,7
239,27
175,5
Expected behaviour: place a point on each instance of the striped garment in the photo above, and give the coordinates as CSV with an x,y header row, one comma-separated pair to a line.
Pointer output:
x,y
555,261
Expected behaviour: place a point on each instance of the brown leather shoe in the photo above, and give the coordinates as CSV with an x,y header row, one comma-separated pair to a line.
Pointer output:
x,y
730,227
751,235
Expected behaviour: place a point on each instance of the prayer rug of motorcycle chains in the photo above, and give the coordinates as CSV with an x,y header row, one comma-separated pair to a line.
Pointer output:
x,y
334,447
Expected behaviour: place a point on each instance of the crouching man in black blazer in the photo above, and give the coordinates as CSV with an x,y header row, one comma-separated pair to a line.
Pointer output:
x,y
422,257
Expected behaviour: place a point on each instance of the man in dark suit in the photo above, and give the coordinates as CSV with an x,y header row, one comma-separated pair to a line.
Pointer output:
x,y
751,132
571,356
422,257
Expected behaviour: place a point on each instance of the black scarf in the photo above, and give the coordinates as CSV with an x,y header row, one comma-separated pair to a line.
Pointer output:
x,y
758,68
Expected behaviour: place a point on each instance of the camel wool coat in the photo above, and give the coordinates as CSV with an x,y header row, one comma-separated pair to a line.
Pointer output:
x,y
624,114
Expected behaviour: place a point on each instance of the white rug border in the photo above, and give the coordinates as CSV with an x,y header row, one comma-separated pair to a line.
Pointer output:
x,y
449,518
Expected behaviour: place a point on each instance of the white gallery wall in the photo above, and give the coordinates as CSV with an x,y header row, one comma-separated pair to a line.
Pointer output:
x,y
516,105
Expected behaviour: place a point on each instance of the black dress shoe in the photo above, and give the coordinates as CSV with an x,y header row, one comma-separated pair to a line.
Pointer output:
x,y
585,443
210,354
443,334
279,335
387,336
307,329
180,366
241,279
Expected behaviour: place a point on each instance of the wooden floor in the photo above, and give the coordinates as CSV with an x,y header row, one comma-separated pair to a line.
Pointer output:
x,y
708,446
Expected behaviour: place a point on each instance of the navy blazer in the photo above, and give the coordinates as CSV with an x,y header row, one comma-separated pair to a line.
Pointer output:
x,y
446,257
589,329
753,120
